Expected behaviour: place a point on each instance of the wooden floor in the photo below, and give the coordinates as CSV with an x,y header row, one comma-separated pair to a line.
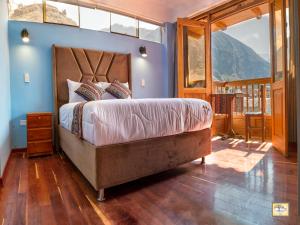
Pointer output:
x,y
236,186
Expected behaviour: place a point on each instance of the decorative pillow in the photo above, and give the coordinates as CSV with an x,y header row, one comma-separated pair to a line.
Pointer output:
x,y
119,90
89,93
73,86
106,95
99,89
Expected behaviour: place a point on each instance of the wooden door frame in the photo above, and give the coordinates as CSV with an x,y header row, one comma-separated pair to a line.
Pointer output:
x,y
180,55
238,6
284,69
296,42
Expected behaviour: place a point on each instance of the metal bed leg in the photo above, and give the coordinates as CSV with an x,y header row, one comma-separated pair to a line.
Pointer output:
x,y
101,195
203,161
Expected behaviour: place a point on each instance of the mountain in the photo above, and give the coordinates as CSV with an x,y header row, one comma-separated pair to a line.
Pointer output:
x,y
34,12
233,60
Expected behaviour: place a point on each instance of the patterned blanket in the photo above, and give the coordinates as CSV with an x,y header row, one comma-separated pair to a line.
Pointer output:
x,y
77,120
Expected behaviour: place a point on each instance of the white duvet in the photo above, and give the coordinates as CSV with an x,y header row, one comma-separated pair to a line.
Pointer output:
x,y
108,122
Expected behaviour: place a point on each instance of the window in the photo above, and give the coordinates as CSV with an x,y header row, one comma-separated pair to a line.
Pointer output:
x,y
149,32
51,11
241,58
29,10
279,54
194,68
124,25
241,51
94,19
62,13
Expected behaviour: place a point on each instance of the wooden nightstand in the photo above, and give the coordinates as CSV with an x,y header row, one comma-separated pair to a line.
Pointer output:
x,y
39,134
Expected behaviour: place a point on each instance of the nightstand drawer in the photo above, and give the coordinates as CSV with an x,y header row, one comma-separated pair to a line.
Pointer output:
x,y
39,134
39,121
39,147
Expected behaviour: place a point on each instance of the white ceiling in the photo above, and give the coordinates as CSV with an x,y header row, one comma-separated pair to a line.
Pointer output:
x,y
158,10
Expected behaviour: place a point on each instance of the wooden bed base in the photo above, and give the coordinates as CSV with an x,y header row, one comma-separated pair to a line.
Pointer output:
x,y
111,165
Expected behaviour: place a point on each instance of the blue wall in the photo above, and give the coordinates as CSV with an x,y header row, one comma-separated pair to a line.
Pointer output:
x,y
35,58
169,41
5,89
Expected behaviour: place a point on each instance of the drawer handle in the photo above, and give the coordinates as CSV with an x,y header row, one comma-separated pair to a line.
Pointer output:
x,y
39,117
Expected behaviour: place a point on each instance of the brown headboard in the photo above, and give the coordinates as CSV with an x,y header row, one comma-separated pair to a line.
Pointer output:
x,y
80,65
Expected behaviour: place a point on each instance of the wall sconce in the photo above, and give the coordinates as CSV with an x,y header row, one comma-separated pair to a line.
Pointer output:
x,y
25,36
143,51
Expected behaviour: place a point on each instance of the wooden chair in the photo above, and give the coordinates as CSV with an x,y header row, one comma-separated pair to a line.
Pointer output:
x,y
260,115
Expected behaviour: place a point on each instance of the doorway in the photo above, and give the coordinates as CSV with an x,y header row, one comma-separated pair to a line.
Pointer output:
x,y
241,63
247,58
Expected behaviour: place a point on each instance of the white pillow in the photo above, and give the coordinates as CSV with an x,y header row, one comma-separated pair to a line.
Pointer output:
x,y
74,97
105,85
106,95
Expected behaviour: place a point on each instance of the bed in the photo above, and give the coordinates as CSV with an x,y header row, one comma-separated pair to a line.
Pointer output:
x,y
108,155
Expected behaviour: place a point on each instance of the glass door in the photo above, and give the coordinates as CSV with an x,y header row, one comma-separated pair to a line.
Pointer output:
x,y
194,77
279,77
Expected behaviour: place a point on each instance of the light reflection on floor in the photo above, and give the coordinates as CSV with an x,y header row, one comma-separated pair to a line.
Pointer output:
x,y
241,156
250,176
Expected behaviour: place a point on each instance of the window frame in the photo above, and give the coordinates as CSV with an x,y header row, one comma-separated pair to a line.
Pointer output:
x,y
160,31
137,36
95,29
23,20
45,14
128,35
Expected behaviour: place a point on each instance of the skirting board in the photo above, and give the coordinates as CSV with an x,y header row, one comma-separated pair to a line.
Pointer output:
x,y
5,172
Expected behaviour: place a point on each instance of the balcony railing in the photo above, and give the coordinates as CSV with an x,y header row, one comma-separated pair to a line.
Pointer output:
x,y
251,88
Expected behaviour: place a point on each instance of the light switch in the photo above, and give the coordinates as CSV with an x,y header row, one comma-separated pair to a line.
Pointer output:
x,y
23,122
26,78
143,82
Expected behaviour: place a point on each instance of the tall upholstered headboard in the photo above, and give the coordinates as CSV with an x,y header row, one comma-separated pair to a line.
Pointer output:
x,y
80,65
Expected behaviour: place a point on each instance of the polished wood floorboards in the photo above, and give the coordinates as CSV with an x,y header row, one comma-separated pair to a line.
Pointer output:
x,y
236,186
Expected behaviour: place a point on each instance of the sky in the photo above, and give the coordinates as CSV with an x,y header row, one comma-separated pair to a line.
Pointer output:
x,y
253,33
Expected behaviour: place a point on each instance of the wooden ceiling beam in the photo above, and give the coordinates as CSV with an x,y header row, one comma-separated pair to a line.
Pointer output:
x,y
221,25
257,12
228,9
